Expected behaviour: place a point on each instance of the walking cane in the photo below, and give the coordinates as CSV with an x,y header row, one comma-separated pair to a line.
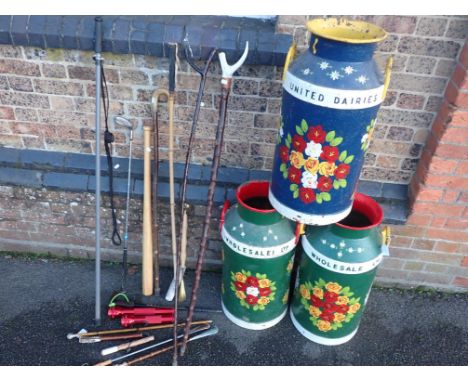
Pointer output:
x,y
183,211
226,82
98,60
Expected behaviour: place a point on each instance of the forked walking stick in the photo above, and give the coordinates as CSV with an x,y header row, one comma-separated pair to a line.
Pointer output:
x,y
226,82
183,210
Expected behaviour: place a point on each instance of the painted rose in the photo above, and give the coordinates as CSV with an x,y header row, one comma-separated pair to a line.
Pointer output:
x,y
294,175
263,283
318,292
299,143
354,308
252,291
330,296
263,300
264,291
252,281
251,300
342,300
313,150
327,168
240,294
311,165
327,316
342,171
307,195
324,184
342,309
314,311
309,180
329,153
338,317
284,154
323,326
240,277
240,286
316,134
333,287
297,159
304,292
315,301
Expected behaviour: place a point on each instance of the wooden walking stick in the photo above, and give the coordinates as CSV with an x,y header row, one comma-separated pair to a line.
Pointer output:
x,y
147,261
226,82
156,247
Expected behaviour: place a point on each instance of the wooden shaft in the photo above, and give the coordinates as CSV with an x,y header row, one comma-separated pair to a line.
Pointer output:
x,y
127,345
142,329
147,263
183,254
156,242
171,181
149,355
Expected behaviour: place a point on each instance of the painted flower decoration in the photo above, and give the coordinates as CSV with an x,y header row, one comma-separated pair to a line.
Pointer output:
x,y
313,163
366,138
329,304
253,291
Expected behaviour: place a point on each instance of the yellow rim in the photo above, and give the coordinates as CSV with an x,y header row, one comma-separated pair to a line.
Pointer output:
x,y
350,31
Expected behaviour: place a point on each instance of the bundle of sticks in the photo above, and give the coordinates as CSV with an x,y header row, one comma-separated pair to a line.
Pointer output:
x,y
151,240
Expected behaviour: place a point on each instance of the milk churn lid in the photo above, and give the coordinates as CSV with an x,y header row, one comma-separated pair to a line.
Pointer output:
x,y
344,30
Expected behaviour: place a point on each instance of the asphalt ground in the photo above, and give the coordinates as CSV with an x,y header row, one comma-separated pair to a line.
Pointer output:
x,y
44,299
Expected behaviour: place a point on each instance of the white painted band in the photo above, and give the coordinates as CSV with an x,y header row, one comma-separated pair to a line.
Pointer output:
x,y
338,266
250,325
256,252
308,219
318,339
331,97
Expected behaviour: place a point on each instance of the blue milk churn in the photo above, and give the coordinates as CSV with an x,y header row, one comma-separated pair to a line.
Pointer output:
x,y
331,95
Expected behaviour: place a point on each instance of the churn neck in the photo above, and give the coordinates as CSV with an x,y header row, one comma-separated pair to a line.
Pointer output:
x,y
253,204
366,215
344,40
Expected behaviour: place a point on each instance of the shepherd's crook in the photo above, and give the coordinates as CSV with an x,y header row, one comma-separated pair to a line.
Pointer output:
x,y
226,82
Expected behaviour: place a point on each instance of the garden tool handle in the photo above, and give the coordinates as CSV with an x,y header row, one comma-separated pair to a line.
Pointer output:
x,y
98,34
127,345
226,206
229,70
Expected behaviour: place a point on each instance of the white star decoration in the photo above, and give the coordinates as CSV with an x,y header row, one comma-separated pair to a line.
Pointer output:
x,y
349,70
342,244
362,79
243,234
265,238
324,65
324,241
350,250
335,75
233,228
306,71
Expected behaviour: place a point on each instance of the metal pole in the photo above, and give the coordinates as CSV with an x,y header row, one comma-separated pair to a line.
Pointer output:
x,y
98,59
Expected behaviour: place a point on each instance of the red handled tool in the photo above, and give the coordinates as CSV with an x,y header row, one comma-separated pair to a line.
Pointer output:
x,y
119,311
129,320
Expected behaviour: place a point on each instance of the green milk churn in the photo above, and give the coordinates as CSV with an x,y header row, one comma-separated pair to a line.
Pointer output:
x,y
258,255
337,268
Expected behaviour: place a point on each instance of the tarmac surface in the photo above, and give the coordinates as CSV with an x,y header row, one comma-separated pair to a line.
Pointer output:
x,y
44,299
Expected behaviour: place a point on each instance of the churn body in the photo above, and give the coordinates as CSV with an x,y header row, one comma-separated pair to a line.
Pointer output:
x,y
258,254
331,95
336,272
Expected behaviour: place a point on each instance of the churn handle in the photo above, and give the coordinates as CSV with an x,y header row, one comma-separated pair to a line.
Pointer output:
x,y
289,57
388,71
226,206
300,230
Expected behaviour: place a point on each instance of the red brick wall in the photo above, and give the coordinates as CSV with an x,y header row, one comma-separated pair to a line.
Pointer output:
x,y
433,246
